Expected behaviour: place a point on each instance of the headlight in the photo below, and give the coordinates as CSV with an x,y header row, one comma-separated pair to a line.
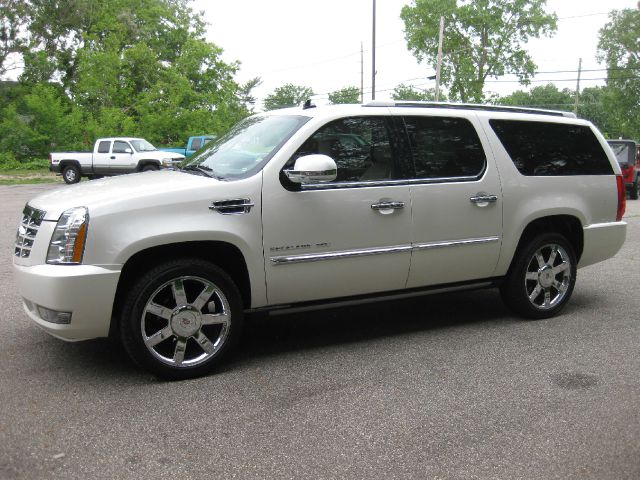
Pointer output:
x,y
67,242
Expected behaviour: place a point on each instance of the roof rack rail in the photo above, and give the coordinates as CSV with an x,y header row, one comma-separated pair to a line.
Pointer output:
x,y
470,106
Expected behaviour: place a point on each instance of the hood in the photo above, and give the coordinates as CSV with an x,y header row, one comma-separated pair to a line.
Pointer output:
x,y
115,193
161,155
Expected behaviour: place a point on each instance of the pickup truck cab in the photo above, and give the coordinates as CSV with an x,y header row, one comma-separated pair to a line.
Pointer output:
x,y
312,207
193,144
628,154
111,156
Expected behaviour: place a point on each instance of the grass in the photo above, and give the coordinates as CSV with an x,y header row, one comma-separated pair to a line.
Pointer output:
x,y
19,176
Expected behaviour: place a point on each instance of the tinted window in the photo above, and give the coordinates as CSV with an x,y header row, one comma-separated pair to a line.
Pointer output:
x,y
120,147
444,147
103,147
360,146
196,143
546,149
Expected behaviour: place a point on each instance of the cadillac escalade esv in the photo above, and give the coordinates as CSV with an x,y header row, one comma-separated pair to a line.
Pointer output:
x,y
309,207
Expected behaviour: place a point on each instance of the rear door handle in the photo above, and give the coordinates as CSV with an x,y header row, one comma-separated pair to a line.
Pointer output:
x,y
482,199
113,157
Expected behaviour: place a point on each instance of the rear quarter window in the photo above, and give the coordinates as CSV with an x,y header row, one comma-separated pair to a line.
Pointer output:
x,y
552,149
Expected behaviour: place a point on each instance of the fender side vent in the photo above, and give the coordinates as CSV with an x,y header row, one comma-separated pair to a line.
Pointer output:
x,y
232,207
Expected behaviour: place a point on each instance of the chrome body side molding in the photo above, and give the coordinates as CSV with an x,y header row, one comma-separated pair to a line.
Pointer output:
x,y
318,257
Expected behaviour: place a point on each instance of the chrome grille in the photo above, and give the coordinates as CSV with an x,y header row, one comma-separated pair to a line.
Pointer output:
x,y
27,231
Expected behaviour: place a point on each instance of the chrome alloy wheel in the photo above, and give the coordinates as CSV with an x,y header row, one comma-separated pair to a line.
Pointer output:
x,y
548,276
186,321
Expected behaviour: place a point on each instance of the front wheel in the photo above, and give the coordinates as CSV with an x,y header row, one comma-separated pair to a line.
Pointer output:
x,y
181,319
541,278
71,174
149,167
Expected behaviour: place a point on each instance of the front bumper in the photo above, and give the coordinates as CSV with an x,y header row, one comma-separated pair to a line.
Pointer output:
x,y
86,291
602,241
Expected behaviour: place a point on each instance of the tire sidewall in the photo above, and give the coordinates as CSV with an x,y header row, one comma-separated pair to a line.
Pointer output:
x,y
513,290
139,295
71,168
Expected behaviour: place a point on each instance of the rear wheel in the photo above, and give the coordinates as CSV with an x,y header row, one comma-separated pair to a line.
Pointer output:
x,y
71,174
181,319
635,190
541,279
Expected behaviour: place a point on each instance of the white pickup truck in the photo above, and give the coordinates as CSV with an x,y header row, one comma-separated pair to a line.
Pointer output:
x,y
111,156
314,207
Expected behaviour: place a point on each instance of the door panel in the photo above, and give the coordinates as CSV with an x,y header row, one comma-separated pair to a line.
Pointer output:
x,y
346,238
457,211
339,222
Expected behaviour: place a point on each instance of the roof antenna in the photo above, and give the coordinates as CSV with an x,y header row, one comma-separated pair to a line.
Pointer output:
x,y
308,105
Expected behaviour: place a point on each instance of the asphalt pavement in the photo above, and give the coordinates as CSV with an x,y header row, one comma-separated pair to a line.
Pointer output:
x,y
442,387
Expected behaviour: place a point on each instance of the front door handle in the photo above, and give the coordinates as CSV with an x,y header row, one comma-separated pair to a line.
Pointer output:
x,y
113,157
482,199
387,205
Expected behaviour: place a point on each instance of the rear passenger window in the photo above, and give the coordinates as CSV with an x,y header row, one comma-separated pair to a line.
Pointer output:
x,y
103,147
444,147
552,149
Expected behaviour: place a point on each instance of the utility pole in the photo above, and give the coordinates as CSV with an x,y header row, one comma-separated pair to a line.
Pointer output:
x,y
575,108
439,58
373,55
361,74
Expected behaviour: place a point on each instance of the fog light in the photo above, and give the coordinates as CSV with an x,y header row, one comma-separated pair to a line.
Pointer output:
x,y
53,316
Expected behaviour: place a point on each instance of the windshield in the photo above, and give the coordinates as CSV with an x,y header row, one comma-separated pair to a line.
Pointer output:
x,y
246,147
142,146
622,151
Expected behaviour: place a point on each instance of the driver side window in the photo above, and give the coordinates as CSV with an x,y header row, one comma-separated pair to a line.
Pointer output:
x,y
360,146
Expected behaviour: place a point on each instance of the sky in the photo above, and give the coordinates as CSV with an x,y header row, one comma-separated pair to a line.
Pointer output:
x,y
317,44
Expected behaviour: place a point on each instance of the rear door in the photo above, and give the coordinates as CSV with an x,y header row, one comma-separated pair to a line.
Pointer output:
x,y
101,156
456,202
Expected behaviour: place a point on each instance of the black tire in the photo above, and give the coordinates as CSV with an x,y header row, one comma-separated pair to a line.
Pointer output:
x,y
150,167
635,190
540,291
71,174
181,319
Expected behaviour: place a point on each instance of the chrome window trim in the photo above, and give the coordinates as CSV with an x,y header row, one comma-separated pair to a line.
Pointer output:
x,y
318,257
390,183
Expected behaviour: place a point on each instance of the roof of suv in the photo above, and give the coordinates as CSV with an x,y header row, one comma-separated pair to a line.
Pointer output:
x,y
311,110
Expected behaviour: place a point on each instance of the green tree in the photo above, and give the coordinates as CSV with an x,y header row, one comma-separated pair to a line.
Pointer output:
x,y
136,67
288,95
482,39
543,96
345,95
619,48
408,92
245,92
13,20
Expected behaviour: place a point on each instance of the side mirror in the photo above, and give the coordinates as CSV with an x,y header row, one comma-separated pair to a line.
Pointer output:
x,y
313,169
128,150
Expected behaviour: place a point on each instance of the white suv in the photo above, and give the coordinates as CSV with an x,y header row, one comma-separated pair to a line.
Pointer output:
x,y
309,207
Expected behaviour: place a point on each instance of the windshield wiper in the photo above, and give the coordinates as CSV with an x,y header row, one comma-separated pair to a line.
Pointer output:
x,y
200,169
